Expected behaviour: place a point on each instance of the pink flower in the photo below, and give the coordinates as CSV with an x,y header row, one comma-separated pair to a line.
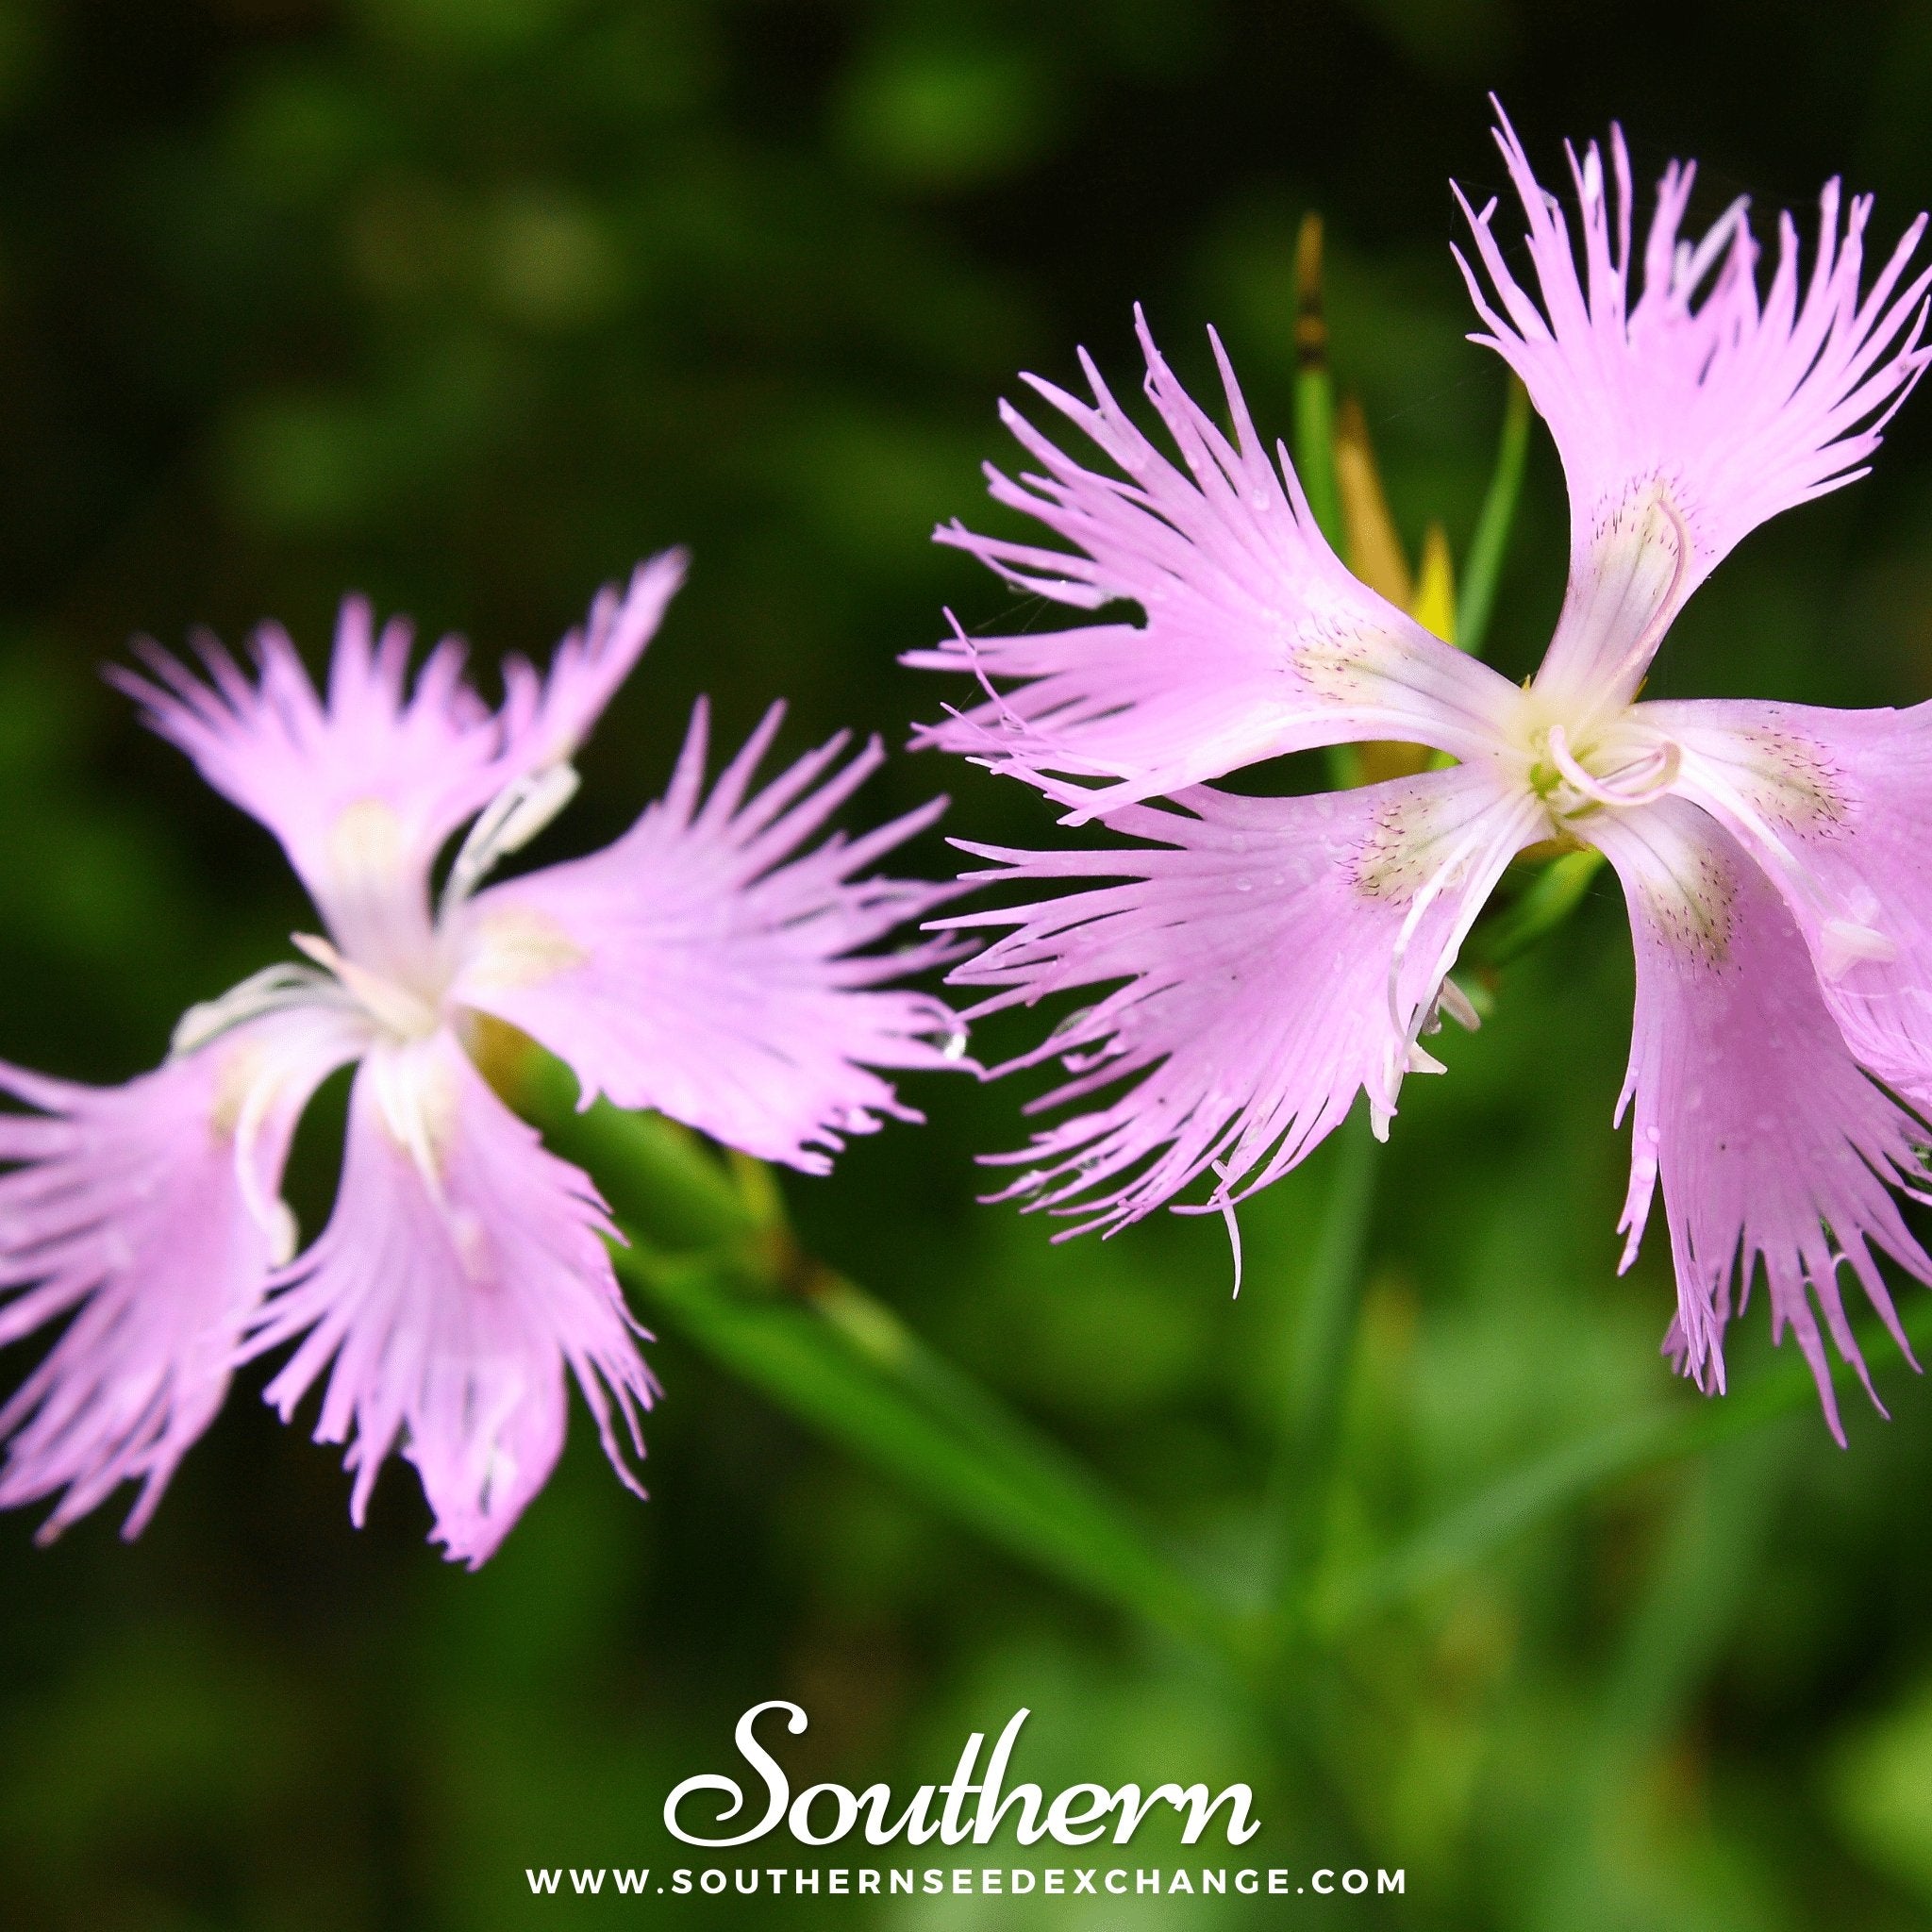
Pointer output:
x,y
705,964
1267,959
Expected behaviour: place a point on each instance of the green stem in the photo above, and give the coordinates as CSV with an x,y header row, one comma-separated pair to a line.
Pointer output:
x,y
710,1255
662,1184
843,1364
1491,544
1323,1346
1314,447
1314,389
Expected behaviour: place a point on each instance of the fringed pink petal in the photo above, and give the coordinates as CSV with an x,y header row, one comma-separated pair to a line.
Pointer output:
x,y
1253,639
1278,956
710,966
1834,806
546,718
362,787
1774,1148
1690,412
365,786
148,1214
462,1271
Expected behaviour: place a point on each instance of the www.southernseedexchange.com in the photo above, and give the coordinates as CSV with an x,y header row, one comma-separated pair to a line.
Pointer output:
x,y
979,1881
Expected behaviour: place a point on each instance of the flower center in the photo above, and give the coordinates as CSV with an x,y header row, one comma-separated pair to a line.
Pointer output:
x,y
404,1011
1579,769
398,971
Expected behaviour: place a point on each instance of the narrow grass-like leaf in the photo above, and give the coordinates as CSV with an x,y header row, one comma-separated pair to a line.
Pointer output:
x,y
1324,1345
844,1365
1565,1477
709,1253
1487,548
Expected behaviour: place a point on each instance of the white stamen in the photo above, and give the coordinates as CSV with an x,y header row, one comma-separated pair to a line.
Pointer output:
x,y
1225,1201
1431,890
1397,1060
269,990
507,825
1692,265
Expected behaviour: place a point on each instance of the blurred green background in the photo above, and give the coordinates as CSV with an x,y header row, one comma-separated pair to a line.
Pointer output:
x,y
471,302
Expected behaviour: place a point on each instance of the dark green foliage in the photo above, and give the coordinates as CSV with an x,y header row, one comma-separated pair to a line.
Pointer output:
x,y
471,302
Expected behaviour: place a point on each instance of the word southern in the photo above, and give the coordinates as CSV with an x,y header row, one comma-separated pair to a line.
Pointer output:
x,y
825,1813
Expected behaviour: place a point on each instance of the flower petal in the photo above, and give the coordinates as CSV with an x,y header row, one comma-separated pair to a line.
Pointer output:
x,y
1687,416
462,1268
703,967
1833,806
149,1212
546,718
364,787
1279,954
1771,1145
1256,640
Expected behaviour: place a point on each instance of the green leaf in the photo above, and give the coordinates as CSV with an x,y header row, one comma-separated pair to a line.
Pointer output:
x,y
1702,1577
1490,544
1555,1482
